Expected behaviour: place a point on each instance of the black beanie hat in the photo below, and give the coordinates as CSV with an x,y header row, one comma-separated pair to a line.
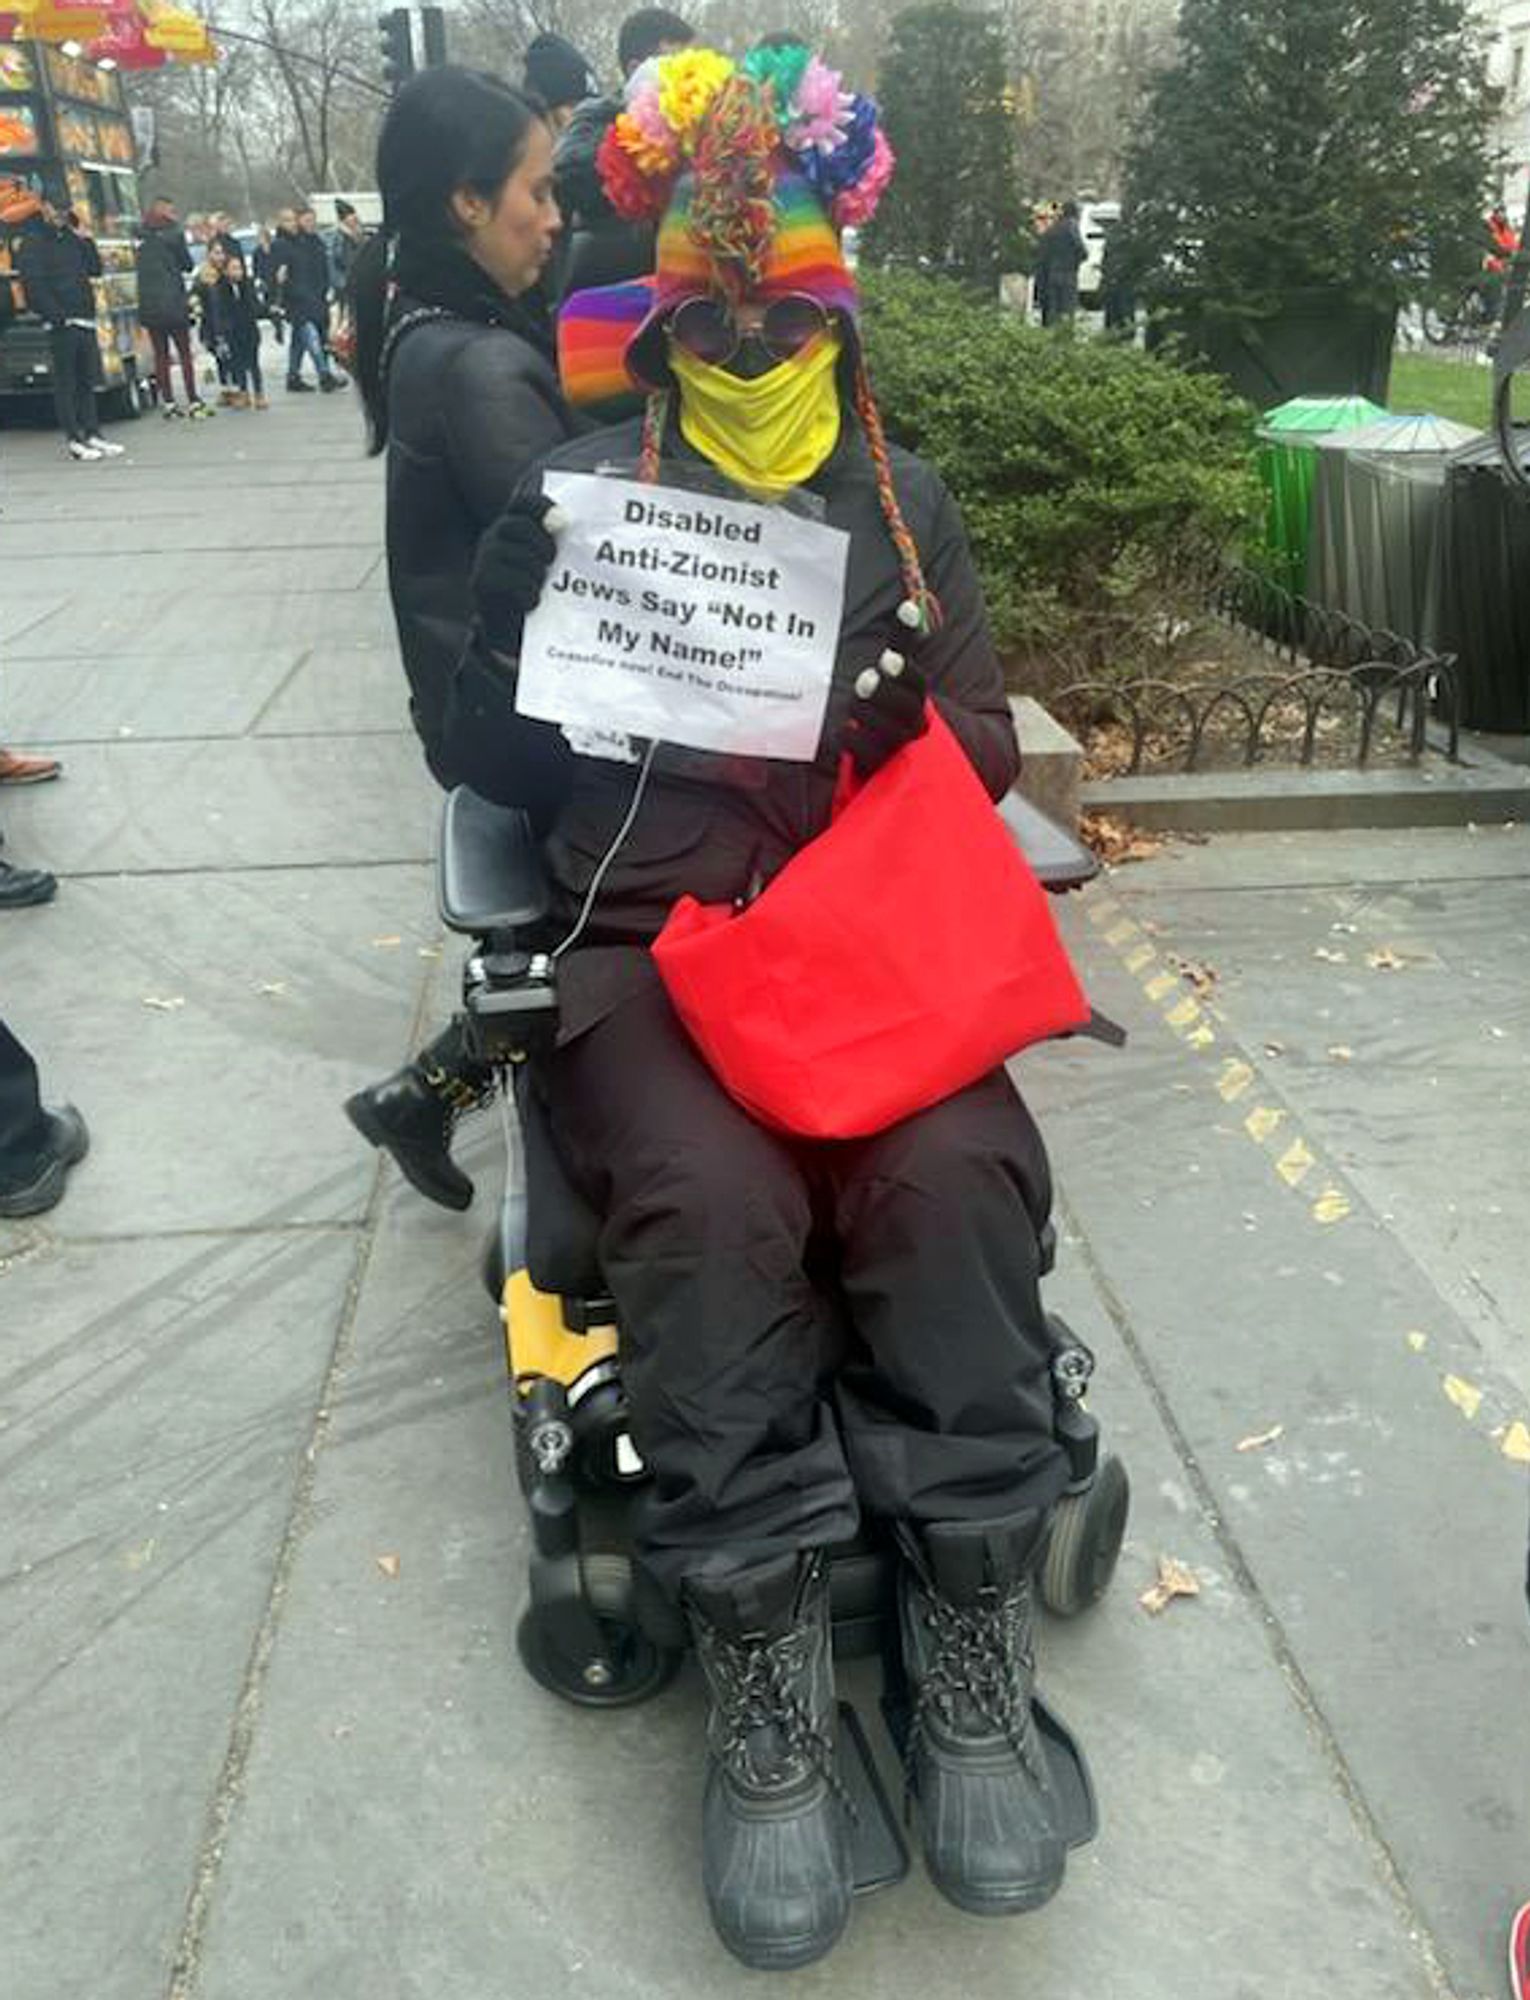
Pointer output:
x,y
557,72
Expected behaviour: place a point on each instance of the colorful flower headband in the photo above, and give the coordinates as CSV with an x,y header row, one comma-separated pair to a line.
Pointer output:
x,y
783,97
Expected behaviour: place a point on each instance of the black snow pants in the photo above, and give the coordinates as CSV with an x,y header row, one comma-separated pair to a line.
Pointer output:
x,y
772,1399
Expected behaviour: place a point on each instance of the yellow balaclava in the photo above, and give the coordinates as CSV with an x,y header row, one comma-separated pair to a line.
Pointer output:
x,y
767,433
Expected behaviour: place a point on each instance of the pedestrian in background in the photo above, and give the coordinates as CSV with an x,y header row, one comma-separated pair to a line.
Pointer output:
x,y
1059,255
220,230
20,888
163,263
37,1146
58,265
209,276
556,73
458,372
268,267
236,322
303,269
604,248
350,239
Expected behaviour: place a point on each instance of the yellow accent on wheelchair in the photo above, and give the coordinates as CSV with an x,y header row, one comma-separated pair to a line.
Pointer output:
x,y
537,1343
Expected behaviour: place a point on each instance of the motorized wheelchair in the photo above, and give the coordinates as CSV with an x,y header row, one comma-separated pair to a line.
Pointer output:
x,y
591,1633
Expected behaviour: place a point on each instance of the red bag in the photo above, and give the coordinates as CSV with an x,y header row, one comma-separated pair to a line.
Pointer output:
x,y
894,960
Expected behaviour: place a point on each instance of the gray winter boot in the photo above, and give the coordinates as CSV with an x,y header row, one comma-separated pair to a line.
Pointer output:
x,y
775,1826
993,1842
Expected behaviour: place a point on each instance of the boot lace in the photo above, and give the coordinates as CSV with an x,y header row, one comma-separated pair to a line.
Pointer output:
x,y
754,1683
979,1657
456,1093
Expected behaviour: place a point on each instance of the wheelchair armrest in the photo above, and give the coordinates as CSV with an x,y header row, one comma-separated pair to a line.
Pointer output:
x,y
1057,860
491,876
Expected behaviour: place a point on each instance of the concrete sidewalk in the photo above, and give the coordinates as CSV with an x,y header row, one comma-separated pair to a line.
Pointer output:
x,y
242,1757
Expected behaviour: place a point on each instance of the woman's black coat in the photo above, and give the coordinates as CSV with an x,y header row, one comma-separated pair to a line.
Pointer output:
x,y
470,407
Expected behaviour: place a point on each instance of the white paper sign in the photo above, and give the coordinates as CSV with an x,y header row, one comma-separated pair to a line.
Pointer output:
x,y
674,615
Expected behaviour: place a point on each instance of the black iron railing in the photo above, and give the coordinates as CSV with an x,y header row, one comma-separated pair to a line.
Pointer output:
x,y
1333,684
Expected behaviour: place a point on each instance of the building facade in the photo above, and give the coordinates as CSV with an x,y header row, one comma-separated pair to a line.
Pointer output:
x,y
1508,26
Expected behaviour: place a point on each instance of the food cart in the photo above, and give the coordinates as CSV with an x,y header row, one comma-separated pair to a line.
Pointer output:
x,y
65,134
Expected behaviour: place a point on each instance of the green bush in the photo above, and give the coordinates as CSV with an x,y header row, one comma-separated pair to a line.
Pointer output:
x,y
1097,482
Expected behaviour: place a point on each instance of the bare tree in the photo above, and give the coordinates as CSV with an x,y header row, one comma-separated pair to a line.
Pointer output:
x,y
313,46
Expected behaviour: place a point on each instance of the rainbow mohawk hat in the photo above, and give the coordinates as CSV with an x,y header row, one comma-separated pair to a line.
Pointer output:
x,y
750,174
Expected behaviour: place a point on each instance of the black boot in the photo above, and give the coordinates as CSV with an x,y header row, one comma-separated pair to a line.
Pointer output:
x,y
775,1825
413,1114
993,1842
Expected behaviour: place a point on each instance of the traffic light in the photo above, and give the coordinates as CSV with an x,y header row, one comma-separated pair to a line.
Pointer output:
x,y
433,34
393,33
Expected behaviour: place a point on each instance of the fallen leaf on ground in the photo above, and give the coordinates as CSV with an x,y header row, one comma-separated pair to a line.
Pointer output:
x,y
1116,841
389,1565
164,1003
1385,960
1202,977
1331,957
1261,1438
1175,1579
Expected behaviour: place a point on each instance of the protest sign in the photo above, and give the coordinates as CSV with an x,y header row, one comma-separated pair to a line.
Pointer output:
x,y
685,618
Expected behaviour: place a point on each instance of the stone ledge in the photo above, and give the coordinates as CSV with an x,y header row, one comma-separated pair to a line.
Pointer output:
x,y
1262,801
1051,762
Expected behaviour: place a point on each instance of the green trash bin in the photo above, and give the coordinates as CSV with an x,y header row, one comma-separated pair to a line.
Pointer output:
x,y
1287,460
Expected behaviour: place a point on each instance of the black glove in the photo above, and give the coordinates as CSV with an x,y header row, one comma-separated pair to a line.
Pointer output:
x,y
514,556
886,708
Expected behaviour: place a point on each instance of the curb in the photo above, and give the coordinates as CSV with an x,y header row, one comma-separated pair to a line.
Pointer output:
x,y
1294,801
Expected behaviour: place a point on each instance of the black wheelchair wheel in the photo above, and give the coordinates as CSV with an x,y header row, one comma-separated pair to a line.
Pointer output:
x,y
639,1668
1085,1541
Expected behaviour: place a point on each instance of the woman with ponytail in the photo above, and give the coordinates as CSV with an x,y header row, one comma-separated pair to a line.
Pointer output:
x,y
767,1439
455,359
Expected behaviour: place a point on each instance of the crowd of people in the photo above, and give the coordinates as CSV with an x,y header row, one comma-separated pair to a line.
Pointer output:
x,y
203,276
198,285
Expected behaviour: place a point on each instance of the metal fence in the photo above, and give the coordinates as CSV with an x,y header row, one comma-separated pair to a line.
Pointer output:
x,y
1330,678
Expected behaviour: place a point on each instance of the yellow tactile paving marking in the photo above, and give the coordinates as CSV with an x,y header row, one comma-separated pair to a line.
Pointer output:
x,y
1190,1019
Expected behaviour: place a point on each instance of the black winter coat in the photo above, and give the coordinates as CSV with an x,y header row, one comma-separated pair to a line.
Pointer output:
x,y
56,267
302,269
716,829
234,317
470,406
1061,249
163,262
597,247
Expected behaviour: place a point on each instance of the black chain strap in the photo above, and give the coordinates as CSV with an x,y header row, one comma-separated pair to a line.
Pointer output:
x,y
419,316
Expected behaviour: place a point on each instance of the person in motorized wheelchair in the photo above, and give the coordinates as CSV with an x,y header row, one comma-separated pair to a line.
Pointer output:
x,y
766,1440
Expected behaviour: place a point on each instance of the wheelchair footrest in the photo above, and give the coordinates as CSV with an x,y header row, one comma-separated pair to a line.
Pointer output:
x,y
878,1850
1080,1811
